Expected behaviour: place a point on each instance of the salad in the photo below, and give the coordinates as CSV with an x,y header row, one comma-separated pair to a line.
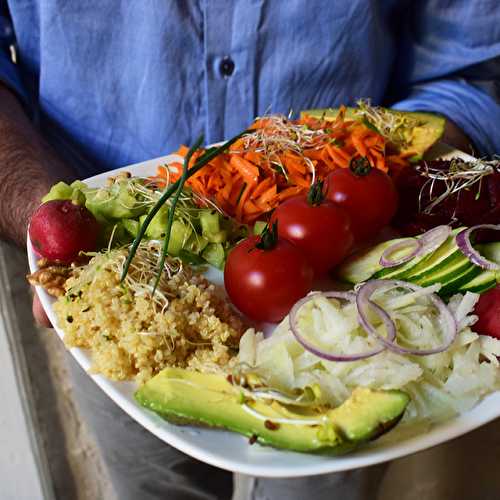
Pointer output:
x,y
403,331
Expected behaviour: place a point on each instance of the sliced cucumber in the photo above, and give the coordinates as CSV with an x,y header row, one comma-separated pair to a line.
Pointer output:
x,y
458,280
401,271
435,261
364,264
131,225
482,282
196,243
446,265
485,279
214,255
454,266
490,251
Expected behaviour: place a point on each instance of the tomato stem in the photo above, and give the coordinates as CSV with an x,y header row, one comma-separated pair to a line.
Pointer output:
x,y
315,197
360,166
269,237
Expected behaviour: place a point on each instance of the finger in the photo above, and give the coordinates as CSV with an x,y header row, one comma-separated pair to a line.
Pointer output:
x,y
39,314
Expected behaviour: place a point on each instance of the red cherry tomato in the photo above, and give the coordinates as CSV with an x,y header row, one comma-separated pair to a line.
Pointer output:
x,y
488,312
321,229
368,195
264,284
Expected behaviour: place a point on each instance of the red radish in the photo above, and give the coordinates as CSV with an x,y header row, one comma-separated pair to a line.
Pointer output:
x,y
488,311
61,229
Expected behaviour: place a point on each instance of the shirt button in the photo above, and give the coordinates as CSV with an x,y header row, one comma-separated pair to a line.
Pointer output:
x,y
226,66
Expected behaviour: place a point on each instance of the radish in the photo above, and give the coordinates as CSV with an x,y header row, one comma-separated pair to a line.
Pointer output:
x,y
61,229
488,312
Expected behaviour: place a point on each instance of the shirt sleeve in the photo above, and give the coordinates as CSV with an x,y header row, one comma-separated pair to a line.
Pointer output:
x,y
9,72
443,49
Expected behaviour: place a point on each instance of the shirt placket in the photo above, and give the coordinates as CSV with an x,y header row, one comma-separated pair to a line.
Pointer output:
x,y
230,52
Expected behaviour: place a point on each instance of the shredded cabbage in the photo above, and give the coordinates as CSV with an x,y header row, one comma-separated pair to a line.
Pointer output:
x,y
440,385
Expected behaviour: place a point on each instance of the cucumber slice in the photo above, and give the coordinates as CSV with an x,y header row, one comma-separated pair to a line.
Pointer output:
x,y
211,228
401,271
485,279
435,261
214,255
482,282
131,225
458,280
219,237
490,251
364,264
209,220
359,266
196,243
454,266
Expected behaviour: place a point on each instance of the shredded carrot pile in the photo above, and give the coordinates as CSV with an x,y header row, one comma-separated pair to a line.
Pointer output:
x,y
279,159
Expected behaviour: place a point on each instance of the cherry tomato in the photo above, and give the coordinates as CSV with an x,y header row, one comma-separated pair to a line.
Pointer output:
x,y
320,228
488,312
264,283
368,195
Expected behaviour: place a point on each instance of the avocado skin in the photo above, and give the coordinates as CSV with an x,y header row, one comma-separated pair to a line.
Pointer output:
x,y
422,137
185,397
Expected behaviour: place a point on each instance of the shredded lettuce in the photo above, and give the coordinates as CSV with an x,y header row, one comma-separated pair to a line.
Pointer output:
x,y
440,385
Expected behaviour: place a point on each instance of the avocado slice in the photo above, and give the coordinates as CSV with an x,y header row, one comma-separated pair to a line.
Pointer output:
x,y
415,134
183,396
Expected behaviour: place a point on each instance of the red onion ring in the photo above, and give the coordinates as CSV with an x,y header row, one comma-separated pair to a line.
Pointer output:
x,y
433,239
464,244
363,300
385,260
351,297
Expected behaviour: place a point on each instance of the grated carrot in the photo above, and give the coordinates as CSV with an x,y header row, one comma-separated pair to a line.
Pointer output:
x,y
279,159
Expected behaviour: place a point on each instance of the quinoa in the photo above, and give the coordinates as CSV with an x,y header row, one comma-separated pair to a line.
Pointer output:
x,y
133,335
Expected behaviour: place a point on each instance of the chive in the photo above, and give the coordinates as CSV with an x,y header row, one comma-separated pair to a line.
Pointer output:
x,y
171,210
209,155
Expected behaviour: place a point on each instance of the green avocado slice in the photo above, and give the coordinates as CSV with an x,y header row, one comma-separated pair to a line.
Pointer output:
x,y
182,396
416,134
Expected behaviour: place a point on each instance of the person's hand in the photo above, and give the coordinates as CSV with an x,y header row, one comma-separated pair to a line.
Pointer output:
x,y
454,136
41,318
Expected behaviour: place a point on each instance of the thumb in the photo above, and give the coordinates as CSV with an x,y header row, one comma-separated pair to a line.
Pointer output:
x,y
41,318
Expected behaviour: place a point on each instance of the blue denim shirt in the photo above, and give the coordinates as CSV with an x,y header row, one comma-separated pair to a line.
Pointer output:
x,y
111,82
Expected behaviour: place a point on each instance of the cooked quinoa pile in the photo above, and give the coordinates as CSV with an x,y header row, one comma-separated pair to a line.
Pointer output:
x,y
133,335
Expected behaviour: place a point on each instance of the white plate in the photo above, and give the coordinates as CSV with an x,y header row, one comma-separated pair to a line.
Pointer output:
x,y
231,451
